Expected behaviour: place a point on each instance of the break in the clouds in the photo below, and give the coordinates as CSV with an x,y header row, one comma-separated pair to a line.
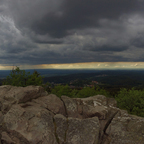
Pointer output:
x,y
36,32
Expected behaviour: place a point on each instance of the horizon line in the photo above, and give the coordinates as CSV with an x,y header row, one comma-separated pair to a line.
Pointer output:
x,y
85,65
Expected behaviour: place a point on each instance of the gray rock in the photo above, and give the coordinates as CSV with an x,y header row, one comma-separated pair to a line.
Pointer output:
x,y
82,131
24,94
125,128
28,115
10,95
52,103
77,131
6,139
34,124
1,117
71,107
61,127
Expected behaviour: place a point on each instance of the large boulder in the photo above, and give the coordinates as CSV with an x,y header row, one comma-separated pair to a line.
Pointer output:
x,y
77,131
33,123
52,103
125,129
10,95
29,115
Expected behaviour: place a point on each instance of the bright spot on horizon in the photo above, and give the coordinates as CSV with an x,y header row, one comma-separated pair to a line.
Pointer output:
x,y
88,65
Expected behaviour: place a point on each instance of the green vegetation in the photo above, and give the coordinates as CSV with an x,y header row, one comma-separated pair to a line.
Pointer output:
x,y
19,77
131,100
60,90
85,92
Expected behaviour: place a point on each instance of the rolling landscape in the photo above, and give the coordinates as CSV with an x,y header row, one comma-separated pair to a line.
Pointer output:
x,y
110,80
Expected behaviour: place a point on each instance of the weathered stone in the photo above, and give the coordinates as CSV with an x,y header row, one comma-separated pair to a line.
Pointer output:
x,y
24,94
6,139
52,103
61,126
35,124
100,100
4,89
92,106
28,115
71,107
13,137
125,129
1,117
6,105
82,131
10,95
101,107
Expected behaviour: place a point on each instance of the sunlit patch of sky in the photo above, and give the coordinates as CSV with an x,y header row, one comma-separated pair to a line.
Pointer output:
x,y
90,65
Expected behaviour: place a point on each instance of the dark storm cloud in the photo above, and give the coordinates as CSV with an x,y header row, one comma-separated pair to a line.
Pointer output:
x,y
138,41
55,58
57,21
2,7
1,2
106,48
67,31
17,47
48,42
80,14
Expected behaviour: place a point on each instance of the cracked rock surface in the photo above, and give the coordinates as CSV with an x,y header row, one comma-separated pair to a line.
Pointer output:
x,y
29,115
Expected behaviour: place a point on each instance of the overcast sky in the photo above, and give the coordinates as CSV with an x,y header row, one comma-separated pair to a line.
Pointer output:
x,y
41,32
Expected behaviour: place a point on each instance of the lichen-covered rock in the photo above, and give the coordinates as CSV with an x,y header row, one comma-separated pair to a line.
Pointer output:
x,y
71,107
5,138
82,131
125,129
28,115
61,125
1,117
52,103
10,95
76,131
96,106
34,124
21,94
4,89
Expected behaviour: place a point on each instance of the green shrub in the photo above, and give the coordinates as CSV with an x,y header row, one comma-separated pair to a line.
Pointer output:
x,y
85,92
60,90
19,77
132,101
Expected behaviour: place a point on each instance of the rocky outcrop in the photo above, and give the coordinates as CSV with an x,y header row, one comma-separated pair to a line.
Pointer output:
x,y
29,115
